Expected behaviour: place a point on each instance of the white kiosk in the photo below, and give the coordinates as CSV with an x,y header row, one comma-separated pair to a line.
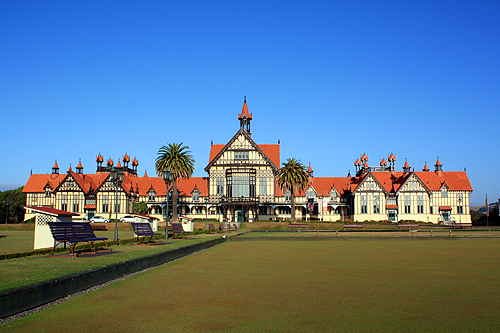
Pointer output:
x,y
139,218
187,223
43,236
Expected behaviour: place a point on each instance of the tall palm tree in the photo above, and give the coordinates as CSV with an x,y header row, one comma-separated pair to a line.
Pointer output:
x,y
292,176
176,158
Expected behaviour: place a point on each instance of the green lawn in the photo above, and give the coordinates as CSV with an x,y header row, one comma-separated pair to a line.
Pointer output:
x,y
405,284
20,272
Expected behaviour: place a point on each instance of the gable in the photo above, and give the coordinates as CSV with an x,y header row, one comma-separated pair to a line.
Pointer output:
x,y
242,150
370,184
69,184
412,184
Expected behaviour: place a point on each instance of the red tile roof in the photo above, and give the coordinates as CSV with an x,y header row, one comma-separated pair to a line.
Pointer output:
x,y
51,211
186,186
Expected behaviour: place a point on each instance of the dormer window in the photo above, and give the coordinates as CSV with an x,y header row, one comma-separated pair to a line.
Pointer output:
x,y
196,195
444,192
151,195
310,194
288,196
47,191
333,195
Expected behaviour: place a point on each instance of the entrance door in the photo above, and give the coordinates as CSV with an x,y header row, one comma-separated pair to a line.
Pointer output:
x,y
90,214
446,216
391,215
240,216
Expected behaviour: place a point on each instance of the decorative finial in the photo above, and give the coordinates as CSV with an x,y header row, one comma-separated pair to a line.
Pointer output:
x,y
245,99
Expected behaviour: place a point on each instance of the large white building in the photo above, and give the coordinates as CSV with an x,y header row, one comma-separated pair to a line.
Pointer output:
x,y
241,186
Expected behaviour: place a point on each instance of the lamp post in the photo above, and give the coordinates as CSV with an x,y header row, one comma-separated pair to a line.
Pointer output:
x,y
117,179
7,203
206,213
230,214
168,177
242,212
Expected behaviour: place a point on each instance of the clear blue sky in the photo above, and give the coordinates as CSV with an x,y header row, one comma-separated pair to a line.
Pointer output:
x,y
332,80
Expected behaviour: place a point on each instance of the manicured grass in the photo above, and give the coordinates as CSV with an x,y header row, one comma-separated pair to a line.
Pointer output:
x,y
408,285
20,272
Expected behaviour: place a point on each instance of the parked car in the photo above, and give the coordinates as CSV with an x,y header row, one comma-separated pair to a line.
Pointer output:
x,y
127,219
98,219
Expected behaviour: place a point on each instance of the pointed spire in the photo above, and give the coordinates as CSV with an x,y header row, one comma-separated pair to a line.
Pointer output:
x,y
55,169
438,168
426,168
70,170
245,117
79,167
310,171
406,167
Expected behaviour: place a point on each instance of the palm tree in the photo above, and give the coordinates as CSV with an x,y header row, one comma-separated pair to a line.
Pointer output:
x,y
177,159
293,177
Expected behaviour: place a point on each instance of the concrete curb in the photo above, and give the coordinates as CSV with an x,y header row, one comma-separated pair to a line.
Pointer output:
x,y
21,299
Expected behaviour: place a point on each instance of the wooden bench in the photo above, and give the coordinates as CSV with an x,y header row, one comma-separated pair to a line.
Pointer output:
x,y
73,233
234,226
99,227
298,226
144,230
211,228
177,229
407,225
460,225
353,226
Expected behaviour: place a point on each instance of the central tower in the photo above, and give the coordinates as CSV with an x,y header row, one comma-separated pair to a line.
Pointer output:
x,y
245,118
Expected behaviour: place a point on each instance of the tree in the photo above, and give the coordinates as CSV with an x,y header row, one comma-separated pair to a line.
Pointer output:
x,y
12,202
292,177
177,159
140,208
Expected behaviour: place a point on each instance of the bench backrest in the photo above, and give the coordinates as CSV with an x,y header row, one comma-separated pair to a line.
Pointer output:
x,y
142,228
177,227
71,230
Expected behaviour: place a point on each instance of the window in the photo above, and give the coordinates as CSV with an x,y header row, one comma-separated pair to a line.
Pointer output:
x,y
220,185
284,210
196,195
198,210
262,186
47,192
364,206
105,205
241,155
460,209
288,196
75,207
444,192
263,210
376,204
117,207
34,198
241,183
420,204
408,205
64,202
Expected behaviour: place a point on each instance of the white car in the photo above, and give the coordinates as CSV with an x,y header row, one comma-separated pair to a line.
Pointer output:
x,y
127,219
98,219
